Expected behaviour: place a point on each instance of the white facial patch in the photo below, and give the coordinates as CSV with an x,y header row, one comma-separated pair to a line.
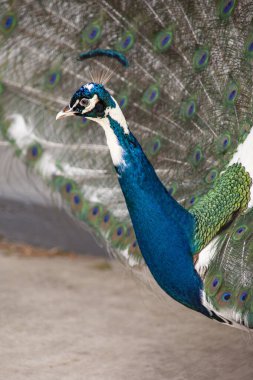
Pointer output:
x,y
74,105
92,103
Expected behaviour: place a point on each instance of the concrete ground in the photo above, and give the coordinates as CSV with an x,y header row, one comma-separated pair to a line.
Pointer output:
x,y
77,318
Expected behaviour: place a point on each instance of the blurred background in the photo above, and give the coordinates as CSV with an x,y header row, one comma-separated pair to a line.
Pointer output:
x,y
29,214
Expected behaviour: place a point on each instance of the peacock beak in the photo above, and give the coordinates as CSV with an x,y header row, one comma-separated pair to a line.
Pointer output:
x,y
67,111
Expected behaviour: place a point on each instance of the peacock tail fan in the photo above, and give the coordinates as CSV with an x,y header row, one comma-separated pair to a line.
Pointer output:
x,y
186,95
228,277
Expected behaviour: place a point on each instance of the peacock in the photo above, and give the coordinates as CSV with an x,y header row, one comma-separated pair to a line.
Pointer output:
x,y
166,182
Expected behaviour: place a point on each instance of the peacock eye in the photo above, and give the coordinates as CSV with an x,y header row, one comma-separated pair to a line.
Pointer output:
x,y
84,102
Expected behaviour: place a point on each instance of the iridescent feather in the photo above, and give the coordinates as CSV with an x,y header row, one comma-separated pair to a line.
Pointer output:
x,y
187,96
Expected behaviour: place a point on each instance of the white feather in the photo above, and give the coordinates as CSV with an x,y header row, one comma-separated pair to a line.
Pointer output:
x,y
20,131
46,166
205,256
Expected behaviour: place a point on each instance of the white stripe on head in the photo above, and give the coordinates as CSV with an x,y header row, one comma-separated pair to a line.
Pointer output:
x,y
92,103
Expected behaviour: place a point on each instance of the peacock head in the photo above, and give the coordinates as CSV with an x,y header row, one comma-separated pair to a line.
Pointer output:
x,y
91,100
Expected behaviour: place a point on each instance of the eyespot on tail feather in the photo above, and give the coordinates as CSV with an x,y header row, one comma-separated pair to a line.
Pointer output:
x,y
114,54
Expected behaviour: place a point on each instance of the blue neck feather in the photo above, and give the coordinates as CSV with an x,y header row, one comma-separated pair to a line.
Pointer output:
x,y
163,228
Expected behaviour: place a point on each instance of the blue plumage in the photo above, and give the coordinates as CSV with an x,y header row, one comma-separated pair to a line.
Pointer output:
x,y
164,229
168,235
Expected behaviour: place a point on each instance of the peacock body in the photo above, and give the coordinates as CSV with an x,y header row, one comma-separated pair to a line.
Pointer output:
x,y
186,177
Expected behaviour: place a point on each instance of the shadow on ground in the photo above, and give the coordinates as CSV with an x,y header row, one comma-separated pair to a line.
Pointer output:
x,y
47,227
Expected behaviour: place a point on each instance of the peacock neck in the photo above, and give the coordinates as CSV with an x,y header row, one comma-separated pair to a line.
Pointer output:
x,y
163,228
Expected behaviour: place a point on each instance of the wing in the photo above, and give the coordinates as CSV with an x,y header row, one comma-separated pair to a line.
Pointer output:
x,y
186,95
226,269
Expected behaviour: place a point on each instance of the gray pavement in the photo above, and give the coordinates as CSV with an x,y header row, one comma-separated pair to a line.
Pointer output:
x,y
78,318
45,226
